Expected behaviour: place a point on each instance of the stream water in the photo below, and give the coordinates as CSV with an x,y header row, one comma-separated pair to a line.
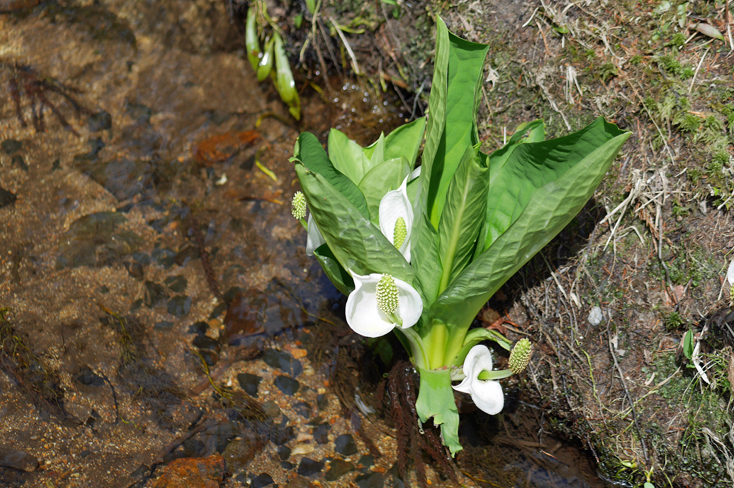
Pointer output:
x,y
146,241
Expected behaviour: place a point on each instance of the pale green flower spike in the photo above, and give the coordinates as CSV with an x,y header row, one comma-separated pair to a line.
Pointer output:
x,y
299,206
387,297
400,233
520,356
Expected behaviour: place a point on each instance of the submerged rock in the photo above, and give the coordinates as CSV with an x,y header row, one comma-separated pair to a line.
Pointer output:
x,y
95,240
17,459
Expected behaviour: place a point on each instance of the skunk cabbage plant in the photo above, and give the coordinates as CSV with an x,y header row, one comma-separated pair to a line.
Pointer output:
x,y
420,250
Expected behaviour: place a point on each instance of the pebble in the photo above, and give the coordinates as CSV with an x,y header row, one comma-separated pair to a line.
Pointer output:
x,y
309,467
284,452
344,445
192,473
165,257
271,409
179,305
88,377
261,480
283,361
337,469
287,385
301,449
595,316
303,409
372,480
176,284
240,451
17,459
250,383
321,433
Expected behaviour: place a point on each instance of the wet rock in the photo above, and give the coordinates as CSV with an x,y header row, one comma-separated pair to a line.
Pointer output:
x,y
176,284
206,343
244,315
99,121
321,401
283,361
299,483
165,257
88,377
154,294
198,328
371,480
344,445
321,433
303,409
271,409
240,451
337,469
310,467
287,385
192,473
186,254
11,146
94,240
163,325
210,357
281,435
261,480
249,382
284,452
365,463
301,449
286,465
179,305
17,459
19,162
6,197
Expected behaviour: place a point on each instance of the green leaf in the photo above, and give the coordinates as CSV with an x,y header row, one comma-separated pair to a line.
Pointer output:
x,y
333,270
376,152
266,61
427,264
284,79
548,211
455,103
405,141
463,215
532,165
436,401
688,344
356,243
311,154
381,179
251,41
347,156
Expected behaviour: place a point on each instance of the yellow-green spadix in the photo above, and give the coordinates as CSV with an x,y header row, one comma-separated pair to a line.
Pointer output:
x,y
371,316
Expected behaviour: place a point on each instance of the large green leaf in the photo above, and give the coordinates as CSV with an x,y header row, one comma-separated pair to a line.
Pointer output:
x,y
530,166
356,243
333,270
347,156
405,141
375,152
311,154
548,211
457,104
427,264
463,214
381,179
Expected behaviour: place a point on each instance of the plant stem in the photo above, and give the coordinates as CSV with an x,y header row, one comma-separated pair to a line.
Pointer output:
x,y
436,341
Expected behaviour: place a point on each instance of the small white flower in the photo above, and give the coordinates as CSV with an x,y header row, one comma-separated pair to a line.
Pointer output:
x,y
366,314
486,395
315,239
396,218
730,273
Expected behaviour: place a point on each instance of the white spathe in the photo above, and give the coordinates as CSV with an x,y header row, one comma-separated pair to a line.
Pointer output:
x,y
395,204
315,239
365,317
730,273
486,395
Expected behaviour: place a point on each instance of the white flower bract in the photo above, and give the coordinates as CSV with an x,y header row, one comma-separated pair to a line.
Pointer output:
x,y
315,239
393,206
364,315
730,273
486,395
